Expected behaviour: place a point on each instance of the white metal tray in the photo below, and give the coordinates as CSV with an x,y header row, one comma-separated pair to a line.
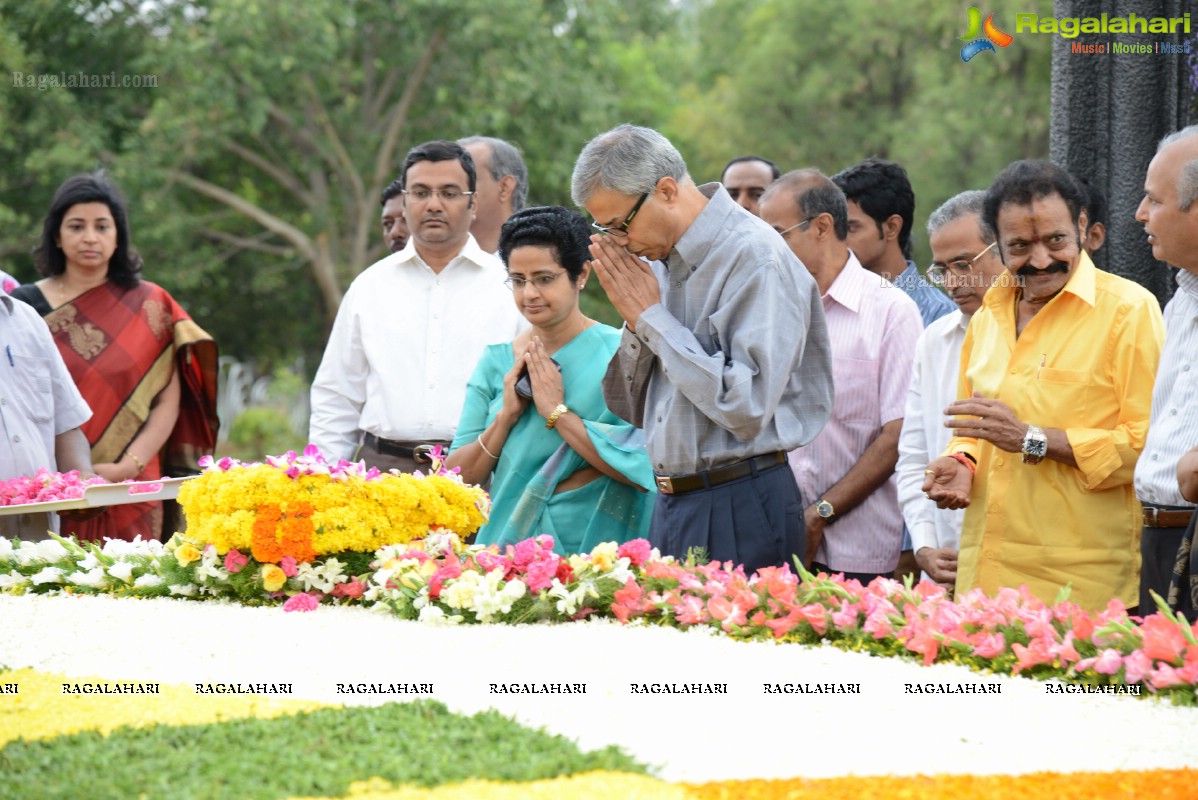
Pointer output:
x,y
106,494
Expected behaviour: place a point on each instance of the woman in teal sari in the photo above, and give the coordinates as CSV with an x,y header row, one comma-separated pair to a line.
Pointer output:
x,y
560,463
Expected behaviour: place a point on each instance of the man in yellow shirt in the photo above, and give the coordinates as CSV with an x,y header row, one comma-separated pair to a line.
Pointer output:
x,y
1056,388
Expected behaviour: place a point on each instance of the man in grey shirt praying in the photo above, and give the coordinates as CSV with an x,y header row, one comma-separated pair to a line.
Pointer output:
x,y
725,360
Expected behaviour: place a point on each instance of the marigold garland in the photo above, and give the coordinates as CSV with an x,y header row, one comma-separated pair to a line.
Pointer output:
x,y
304,506
1164,784
295,539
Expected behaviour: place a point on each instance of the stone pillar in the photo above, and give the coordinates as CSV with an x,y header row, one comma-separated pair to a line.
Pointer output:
x,y
1108,113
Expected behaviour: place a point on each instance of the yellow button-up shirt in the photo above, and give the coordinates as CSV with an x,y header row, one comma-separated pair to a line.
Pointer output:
x,y
1085,364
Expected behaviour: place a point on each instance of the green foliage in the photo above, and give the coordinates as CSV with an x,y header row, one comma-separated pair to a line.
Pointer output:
x,y
310,754
254,168
261,430
47,134
829,84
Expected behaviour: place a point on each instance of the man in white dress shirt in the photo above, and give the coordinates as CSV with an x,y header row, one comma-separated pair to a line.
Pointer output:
x,y
1170,217
966,263
412,327
40,411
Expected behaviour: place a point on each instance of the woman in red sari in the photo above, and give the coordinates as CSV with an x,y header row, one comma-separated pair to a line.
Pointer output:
x,y
147,371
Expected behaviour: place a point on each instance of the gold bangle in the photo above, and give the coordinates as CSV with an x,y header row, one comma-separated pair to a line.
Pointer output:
x,y
557,412
137,461
484,447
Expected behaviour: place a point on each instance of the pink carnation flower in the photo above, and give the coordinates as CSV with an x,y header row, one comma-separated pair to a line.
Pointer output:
x,y
541,572
301,602
637,551
235,561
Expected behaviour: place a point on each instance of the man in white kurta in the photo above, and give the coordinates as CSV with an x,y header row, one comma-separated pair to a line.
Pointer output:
x,y
965,263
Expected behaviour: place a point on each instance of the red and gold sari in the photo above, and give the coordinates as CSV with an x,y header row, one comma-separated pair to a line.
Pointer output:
x,y
122,347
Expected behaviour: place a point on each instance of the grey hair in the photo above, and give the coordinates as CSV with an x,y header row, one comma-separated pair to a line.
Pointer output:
x,y
1187,178
814,193
628,159
958,206
505,160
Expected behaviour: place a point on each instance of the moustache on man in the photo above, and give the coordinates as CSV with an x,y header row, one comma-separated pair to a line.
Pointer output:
x,y
1028,270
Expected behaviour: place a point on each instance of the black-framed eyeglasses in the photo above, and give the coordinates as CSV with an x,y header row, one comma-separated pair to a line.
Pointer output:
x,y
516,282
422,194
938,273
800,224
621,230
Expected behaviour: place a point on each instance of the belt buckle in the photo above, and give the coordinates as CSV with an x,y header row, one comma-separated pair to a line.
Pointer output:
x,y
420,453
1150,520
665,485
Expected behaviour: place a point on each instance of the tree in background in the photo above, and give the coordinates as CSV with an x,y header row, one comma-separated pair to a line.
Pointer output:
x,y
283,123
48,133
253,169
828,84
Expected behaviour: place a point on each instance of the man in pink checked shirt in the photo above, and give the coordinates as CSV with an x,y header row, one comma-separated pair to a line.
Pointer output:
x,y
847,472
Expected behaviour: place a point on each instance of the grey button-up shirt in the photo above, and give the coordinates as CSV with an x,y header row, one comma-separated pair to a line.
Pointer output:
x,y
734,361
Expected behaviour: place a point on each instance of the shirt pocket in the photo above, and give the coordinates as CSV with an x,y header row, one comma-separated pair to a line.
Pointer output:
x,y
34,391
1065,395
856,386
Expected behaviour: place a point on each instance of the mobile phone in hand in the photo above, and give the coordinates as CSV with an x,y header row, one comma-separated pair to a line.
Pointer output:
x,y
524,382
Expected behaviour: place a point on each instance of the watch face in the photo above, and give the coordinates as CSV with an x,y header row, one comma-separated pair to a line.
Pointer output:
x,y
824,509
1035,447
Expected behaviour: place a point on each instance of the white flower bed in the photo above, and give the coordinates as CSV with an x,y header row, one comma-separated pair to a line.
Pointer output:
x,y
744,733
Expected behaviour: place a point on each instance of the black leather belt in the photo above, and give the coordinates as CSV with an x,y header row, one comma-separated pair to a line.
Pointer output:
x,y
417,451
1166,516
681,484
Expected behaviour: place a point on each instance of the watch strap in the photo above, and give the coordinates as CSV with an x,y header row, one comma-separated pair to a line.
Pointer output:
x,y
557,412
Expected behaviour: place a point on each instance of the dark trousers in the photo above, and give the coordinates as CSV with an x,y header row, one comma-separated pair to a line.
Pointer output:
x,y
756,521
1158,556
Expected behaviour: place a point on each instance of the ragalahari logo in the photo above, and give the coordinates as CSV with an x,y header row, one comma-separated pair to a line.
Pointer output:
x,y
977,45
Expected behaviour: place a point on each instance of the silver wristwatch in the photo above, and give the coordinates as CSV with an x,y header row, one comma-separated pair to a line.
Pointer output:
x,y
1035,445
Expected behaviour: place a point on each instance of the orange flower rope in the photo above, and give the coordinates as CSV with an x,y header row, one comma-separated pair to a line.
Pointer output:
x,y
1156,784
296,530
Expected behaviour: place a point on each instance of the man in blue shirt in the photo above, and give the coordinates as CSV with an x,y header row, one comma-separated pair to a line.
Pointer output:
x,y
881,212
